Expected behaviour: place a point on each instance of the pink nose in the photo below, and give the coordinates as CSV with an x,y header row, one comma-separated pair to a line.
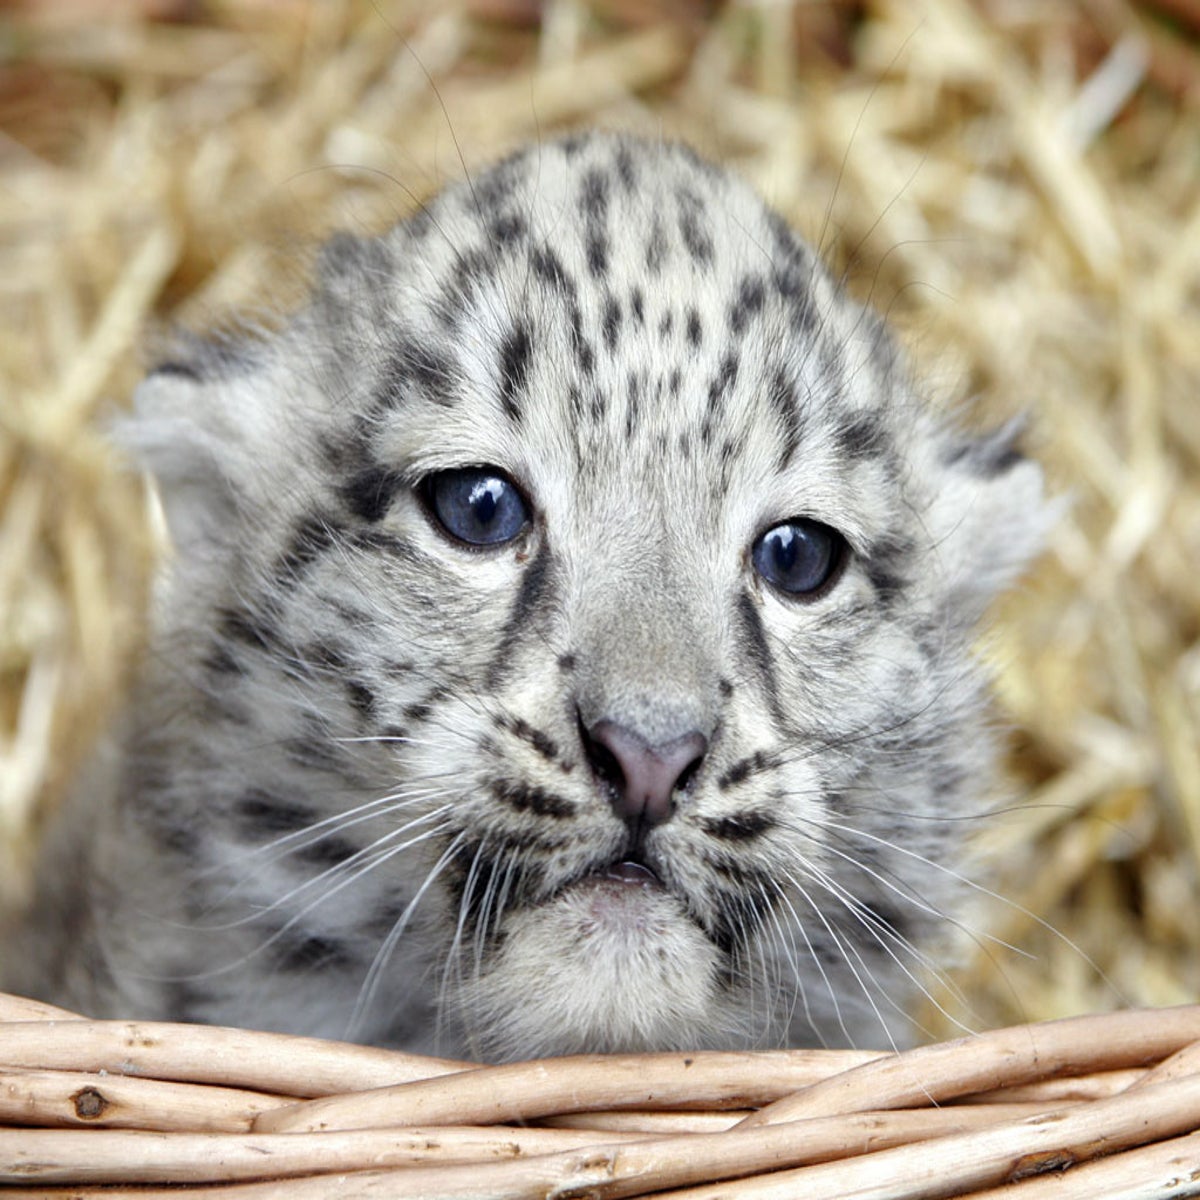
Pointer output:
x,y
644,778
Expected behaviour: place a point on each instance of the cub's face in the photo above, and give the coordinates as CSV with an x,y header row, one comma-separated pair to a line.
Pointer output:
x,y
572,616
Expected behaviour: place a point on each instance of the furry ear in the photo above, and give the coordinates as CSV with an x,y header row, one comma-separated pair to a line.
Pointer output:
x,y
196,421
988,518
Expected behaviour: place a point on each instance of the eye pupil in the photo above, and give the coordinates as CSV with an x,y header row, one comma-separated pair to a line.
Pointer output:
x,y
477,505
784,549
484,500
798,557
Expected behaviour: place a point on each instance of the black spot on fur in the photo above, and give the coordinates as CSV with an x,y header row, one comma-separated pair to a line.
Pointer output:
x,y
694,329
573,144
656,247
988,457
369,493
478,874
519,727
633,402
263,816
611,321
696,237
313,536
887,922
749,302
861,436
758,649
784,401
294,950
508,229
567,662
793,284
722,381
178,369
752,764
626,171
524,797
376,541
884,565
1003,462
547,266
325,657
362,699
535,589
220,659
248,628
637,306
741,910
324,851
471,269
417,366
514,370
740,827
593,203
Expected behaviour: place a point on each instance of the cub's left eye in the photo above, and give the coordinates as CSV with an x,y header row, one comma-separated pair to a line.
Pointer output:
x,y
480,506
799,557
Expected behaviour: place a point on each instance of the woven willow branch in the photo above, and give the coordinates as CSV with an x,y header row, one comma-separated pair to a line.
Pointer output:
x,y
102,1107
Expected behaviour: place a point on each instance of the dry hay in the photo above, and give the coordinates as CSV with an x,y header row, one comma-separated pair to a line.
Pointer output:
x,y
1016,184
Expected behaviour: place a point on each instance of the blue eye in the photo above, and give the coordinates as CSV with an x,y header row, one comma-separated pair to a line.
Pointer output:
x,y
798,557
476,505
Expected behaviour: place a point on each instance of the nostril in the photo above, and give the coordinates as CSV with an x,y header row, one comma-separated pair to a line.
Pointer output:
x,y
689,772
604,762
644,779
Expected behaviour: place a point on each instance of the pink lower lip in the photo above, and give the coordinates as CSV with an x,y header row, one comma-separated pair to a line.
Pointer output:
x,y
631,872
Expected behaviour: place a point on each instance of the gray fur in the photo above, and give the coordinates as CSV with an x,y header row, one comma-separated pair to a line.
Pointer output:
x,y
351,797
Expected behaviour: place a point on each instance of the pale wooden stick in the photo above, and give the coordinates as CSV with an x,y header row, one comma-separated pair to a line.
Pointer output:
x,y
71,1156
611,1171
955,1165
635,1120
74,1098
1182,1062
1164,1171
1050,1093
524,1091
270,1062
1001,1058
715,1122
18,1008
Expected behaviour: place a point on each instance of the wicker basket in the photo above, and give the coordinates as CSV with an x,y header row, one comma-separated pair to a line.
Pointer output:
x,y
1098,1106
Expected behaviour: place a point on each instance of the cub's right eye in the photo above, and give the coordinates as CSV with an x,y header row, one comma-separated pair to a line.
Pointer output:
x,y
479,506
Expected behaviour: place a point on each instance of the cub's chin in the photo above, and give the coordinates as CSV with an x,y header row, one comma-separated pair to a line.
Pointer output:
x,y
611,963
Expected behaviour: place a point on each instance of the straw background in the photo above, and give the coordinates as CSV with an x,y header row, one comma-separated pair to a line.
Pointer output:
x,y
1016,184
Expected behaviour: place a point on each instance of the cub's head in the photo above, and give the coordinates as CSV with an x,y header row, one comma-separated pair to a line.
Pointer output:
x,y
577,600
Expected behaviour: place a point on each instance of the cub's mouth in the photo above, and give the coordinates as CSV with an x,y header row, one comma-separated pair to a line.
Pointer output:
x,y
624,897
631,872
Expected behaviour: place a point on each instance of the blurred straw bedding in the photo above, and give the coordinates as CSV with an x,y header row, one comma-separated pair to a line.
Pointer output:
x,y
1017,185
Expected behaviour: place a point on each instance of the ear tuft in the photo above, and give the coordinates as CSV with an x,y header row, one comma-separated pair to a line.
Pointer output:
x,y
989,517
196,418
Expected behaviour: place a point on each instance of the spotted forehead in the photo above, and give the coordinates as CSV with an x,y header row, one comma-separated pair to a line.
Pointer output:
x,y
606,222
611,279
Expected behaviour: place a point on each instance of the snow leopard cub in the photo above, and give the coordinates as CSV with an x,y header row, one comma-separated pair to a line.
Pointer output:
x,y
566,647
